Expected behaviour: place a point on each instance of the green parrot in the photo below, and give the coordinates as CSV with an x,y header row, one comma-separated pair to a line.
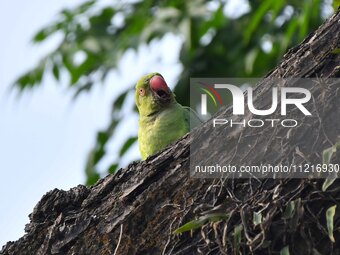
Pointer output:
x,y
162,120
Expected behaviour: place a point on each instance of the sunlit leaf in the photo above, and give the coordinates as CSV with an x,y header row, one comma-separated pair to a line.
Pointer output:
x,y
285,251
257,218
330,222
328,182
328,153
336,4
194,224
326,159
336,51
191,225
257,18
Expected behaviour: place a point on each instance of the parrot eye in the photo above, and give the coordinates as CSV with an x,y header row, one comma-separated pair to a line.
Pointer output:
x,y
142,92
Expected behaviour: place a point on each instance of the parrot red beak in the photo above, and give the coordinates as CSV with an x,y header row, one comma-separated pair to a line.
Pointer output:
x,y
160,88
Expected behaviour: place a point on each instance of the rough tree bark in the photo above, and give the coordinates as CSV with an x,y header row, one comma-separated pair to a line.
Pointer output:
x,y
136,210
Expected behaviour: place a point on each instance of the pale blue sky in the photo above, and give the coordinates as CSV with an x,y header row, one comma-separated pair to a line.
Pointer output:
x,y
43,136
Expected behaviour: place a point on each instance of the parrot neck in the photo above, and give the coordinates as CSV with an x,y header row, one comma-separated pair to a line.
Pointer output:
x,y
154,112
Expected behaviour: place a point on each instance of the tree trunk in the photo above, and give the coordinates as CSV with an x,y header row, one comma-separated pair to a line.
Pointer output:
x,y
136,210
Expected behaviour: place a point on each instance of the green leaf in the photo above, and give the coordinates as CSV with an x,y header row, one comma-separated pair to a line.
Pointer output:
x,y
92,178
68,15
289,211
285,251
250,60
118,103
41,35
113,168
257,218
191,225
237,237
128,143
98,155
336,50
44,33
326,159
55,71
330,221
328,153
304,19
85,6
214,217
336,4
84,87
316,252
194,224
328,182
257,18
102,138
290,32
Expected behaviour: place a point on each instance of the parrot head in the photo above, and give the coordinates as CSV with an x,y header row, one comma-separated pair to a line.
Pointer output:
x,y
152,94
